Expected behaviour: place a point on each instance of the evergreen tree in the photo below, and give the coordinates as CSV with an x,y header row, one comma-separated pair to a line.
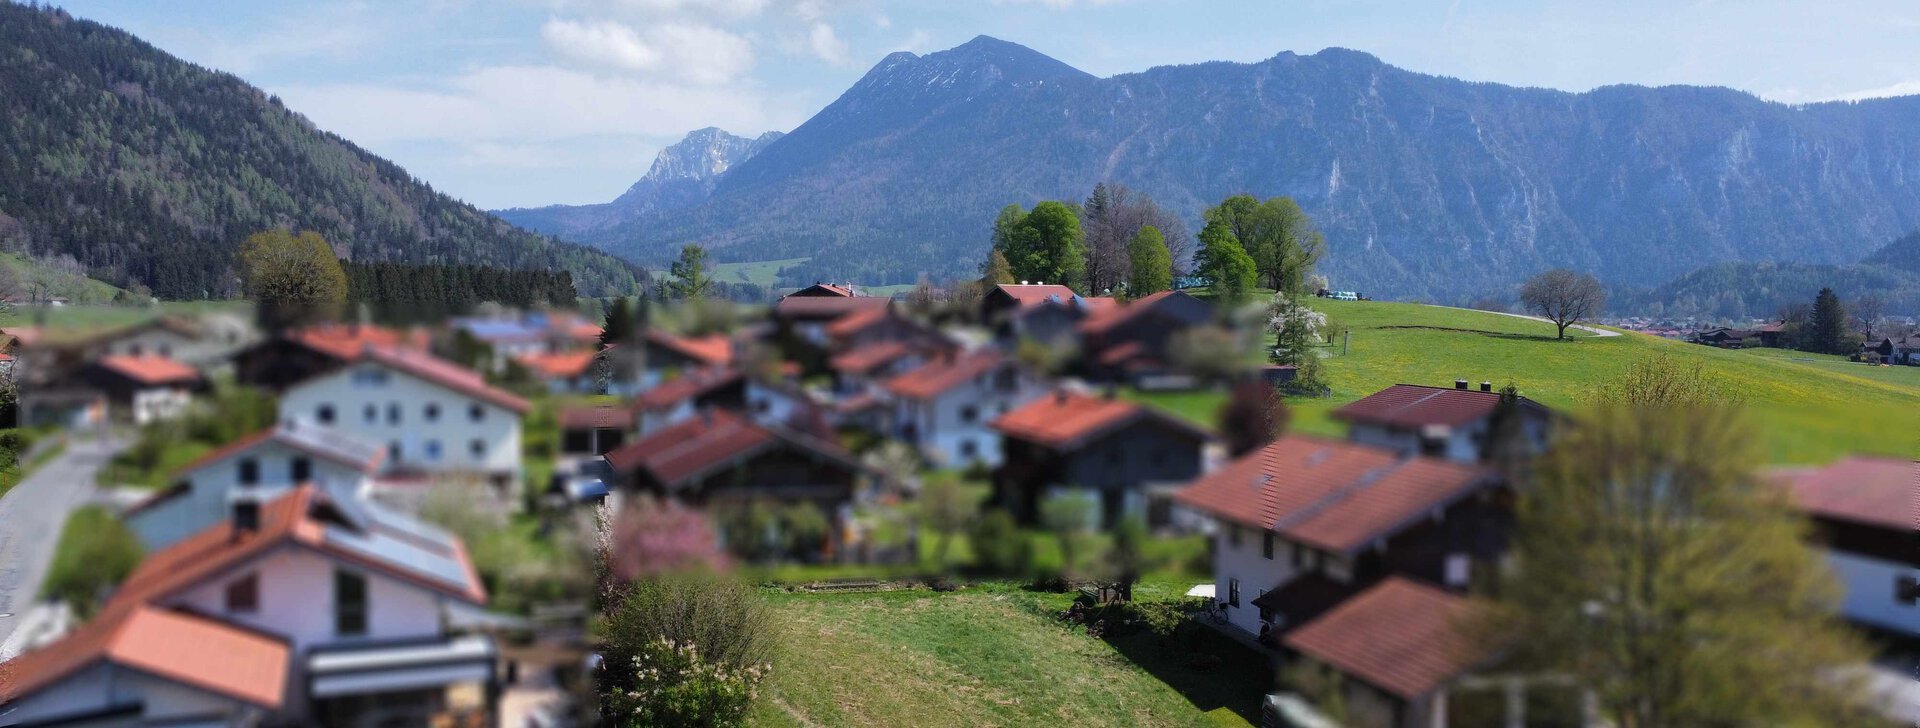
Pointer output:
x,y
1827,327
1152,264
692,275
998,271
620,325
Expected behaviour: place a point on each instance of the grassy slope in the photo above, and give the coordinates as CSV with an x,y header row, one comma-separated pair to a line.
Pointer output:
x,y
760,273
981,658
1807,411
77,288
85,318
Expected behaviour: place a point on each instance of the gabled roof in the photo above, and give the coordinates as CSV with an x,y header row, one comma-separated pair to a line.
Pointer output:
x,y
1330,494
942,373
858,321
447,374
1028,294
363,534
826,307
687,386
1068,420
150,369
1415,405
713,349
1111,317
1399,636
824,289
316,440
1872,491
581,418
187,649
863,359
558,364
697,446
348,341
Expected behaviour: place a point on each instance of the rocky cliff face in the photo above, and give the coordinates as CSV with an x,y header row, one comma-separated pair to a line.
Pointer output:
x,y
682,175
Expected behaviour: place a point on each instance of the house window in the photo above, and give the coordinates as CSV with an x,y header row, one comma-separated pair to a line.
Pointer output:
x,y
324,414
393,451
1233,535
478,448
166,350
369,377
476,412
249,471
1459,570
433,450
1299,556
968,449
393,413
1233,592
243,595
349,604
135,349
432,412
302,470
1906,589
969,414
369,413
1266,545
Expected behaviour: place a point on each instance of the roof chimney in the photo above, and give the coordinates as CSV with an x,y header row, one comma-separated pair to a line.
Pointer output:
x,y
1023,283
1459,384
1486,386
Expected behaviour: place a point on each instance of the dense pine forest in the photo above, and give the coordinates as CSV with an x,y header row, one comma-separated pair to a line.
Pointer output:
x,y
405,293
150,170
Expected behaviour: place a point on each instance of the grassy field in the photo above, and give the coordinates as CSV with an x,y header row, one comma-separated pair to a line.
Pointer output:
x,y
987,657
73,286
94,317
1807,411
760,273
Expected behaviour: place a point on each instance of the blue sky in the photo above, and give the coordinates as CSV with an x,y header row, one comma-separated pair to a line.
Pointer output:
x,y
531,102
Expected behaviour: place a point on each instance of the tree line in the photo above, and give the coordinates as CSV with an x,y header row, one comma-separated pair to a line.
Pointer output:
x,y
416,293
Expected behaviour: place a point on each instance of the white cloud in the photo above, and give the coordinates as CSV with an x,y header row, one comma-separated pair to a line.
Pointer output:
x,y
915,42
882,22
826,45
691,53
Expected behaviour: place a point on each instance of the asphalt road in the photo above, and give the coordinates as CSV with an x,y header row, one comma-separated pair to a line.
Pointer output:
x,y
31,516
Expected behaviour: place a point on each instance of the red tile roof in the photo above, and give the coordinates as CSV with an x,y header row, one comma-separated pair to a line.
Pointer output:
x,y
858,321
863,359
687,386
1399,636
1874,491
1414,405
1109,317
581,418
1028,294
150,369
1068,419
692,447
713,349
446,374
349,341
1330,494
831,289
558,365
935,377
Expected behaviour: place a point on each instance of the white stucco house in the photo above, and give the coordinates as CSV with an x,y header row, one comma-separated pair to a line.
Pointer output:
x,y
305,609
432,416
260,466
1452,423
945,406
1862,513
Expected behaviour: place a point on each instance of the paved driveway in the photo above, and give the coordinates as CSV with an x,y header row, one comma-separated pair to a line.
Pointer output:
x,y
31,516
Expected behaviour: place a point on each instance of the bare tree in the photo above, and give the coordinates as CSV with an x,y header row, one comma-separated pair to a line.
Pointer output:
x,y
1867,311
1563,297
1112,216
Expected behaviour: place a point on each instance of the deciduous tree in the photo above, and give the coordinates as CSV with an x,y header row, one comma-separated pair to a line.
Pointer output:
x,y
1563,297
1253,416
1225,263
294,280
1150,262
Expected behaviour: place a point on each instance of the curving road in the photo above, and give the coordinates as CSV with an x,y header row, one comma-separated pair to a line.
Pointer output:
x,y
31,516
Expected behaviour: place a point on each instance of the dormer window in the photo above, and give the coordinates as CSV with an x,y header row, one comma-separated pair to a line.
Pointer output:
x,y
243,595
302,470
249,471
370,377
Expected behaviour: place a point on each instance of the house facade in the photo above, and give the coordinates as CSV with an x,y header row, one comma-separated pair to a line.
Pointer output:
x,y
259,466
431,415
1136,339
945,407
1862,512
1454,423
1129,458
145,388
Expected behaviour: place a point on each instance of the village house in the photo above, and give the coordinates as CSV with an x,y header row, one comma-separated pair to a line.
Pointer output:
x,y
302,610
144,388
1129,342
721,459
1128,457
1451,423
514,336
260,466
803,316
1306,522
433,416
296,356
1048,314
1862,510
944,407
203,344
564,372
1889,350
1399,648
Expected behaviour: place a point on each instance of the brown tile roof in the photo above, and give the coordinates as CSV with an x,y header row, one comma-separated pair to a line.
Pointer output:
x,y
1032,293
858,321
1110,317
1399,636
1414,405
1330,494
689,448
713,349
1069,419
150,369
687,386
829,289
935,377
826,307
863,359
558,364
1874,491
581,418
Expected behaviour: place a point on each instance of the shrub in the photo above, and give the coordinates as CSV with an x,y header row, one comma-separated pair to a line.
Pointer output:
x,y
675,685
720,617
999,548
95,552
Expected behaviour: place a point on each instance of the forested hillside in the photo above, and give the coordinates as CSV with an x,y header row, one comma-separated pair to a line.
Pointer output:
x,y
402,292
150,171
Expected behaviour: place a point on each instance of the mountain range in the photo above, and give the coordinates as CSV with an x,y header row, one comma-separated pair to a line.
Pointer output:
x,y
1426,187
147,169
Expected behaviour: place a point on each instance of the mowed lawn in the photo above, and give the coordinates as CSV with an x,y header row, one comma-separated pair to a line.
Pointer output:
x,y
1807,412
985,657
